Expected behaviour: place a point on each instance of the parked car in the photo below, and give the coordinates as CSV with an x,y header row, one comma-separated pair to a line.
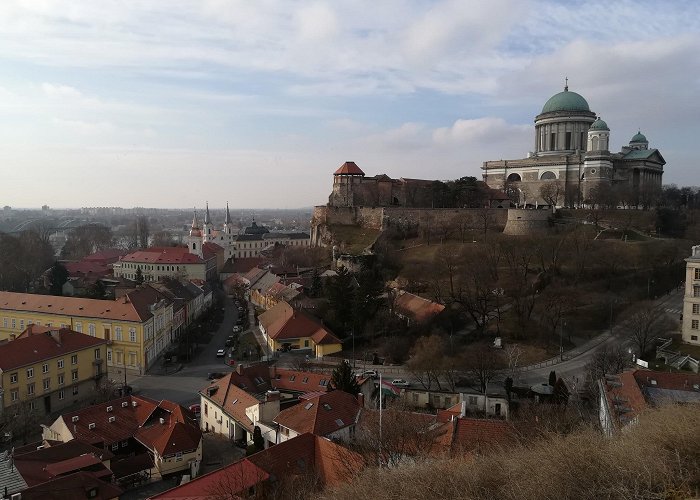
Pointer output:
x,y
369,373
237,329
285,348
229,342
197,410
221,353
399,382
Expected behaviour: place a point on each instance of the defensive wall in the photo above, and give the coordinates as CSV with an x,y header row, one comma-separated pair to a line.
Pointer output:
x,y
522,222
381,218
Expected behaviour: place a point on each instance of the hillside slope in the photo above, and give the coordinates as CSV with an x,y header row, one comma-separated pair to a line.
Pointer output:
x,y
658,458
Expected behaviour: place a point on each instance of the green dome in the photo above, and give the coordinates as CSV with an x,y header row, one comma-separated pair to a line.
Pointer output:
x,y
599,124
566,101
639,137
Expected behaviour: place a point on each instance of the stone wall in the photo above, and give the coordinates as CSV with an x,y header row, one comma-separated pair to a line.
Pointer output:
x,y
380,218
522,222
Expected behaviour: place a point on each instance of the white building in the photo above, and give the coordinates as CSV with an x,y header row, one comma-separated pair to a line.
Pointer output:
x,y
691,299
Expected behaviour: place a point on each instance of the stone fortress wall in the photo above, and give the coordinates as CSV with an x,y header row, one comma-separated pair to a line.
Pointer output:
x,y
522,222
381,218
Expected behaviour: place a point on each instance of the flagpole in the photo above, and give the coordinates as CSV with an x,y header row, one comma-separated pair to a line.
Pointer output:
x,y
380,418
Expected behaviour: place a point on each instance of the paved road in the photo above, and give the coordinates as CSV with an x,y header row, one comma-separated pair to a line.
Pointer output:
x,y
182,387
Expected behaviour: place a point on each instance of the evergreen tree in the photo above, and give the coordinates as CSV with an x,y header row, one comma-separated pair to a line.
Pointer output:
x,y
343,379
340,296
508,386
316,285
59,275
552,378
139,276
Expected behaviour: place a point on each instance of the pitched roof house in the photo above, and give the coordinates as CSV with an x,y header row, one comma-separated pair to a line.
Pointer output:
x,y
307,461
135,424
282,324
623,397
332,414
415,309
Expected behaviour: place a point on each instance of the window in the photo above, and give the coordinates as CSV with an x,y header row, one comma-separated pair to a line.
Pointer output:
x,y
115,446
473,400
14,323
59,364
206,409
32,405
568,141
13,378
696,308
497,409
696,291
694,337
132,334
125,443
75,390
697,273
97,354
118,333
45,368
306,343
14,395
79,327
30,389
109,355
61,379
61,394
74,375
695,324
74,359
4,322
30,372
91,329
21,324
47,384
552,141
448,401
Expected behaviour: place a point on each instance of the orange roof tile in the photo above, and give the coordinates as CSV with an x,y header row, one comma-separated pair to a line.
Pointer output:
x,y
284,322
33,347
321,415
417,308
349,168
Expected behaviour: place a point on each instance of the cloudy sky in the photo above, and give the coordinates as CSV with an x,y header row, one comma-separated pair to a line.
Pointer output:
x,y
169,103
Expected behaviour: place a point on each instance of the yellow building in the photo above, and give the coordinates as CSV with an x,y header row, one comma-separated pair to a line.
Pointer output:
x,y
137,326
287,328
50,369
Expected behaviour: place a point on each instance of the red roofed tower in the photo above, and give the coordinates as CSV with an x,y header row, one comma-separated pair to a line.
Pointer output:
x,y
347,175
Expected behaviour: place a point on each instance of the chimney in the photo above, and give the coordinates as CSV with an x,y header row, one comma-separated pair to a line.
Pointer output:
x,y
272,396
361,399
56,335
239,369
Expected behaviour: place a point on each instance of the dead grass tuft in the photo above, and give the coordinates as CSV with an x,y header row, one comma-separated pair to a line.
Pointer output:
x,y
659,458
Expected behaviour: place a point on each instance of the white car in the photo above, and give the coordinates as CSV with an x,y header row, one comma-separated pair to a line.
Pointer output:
x,y
399,382
221,353
368,374
237,329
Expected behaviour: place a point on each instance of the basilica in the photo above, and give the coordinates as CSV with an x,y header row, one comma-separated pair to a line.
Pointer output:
x,y
572,152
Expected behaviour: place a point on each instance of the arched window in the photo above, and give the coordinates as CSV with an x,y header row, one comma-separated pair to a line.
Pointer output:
x,y
548,176
514,178
594,143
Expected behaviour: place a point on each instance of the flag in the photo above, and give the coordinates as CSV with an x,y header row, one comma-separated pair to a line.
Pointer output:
x,y
389,389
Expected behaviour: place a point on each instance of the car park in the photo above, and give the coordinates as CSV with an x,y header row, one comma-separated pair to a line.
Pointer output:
x,y
221,353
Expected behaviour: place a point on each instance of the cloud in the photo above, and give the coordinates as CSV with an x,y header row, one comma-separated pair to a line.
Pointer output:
x,y
484,130
85,128
317,22
60,91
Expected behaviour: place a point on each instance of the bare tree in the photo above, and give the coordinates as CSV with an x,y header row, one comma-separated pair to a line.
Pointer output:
x,y
481,362
644,324
551,192
425,360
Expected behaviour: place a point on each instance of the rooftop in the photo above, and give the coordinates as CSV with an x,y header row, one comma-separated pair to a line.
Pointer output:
x,y
322,415
349,168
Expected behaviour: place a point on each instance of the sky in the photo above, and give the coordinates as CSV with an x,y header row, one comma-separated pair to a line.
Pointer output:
x,y
172,103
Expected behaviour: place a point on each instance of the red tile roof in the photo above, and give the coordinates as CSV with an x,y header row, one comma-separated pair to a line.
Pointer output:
x,y
473,435
73,486
87,268
136,417
122,309
349,168
284,322
299,381
322,415
163,255
36,347
108,256
72,464
416,308
232,400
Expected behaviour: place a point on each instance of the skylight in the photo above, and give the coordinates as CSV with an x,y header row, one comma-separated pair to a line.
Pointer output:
x,y
308,406
339,422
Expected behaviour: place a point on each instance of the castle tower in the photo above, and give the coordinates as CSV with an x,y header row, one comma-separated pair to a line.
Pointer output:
x,y
206,233
194,239
597,165
347,175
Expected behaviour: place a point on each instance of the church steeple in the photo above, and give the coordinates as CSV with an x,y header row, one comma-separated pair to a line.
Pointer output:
x,y
228,215
207,219
195,223
207,225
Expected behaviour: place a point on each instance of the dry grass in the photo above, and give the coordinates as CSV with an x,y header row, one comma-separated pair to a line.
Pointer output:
x,y
353,239
658,459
